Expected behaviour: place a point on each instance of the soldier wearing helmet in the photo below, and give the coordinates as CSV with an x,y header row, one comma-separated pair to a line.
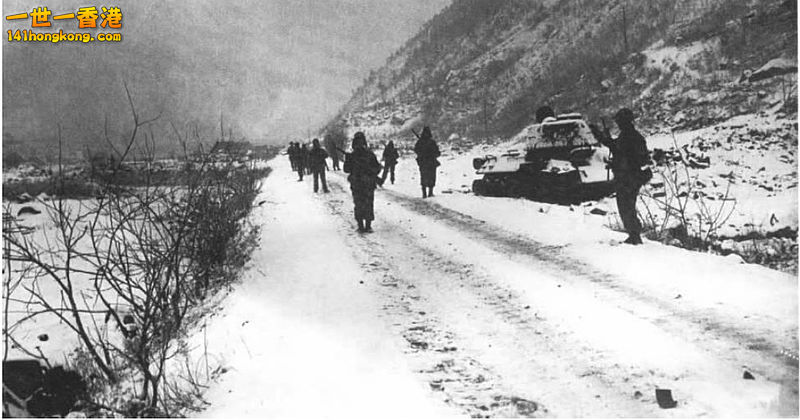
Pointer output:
x,y
630,165
427,153
363,167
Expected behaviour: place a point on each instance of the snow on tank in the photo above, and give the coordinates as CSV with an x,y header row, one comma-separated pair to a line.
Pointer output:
x,y
563,162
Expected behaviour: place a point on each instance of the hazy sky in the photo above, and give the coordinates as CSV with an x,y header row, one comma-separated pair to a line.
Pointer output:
x,y
274,68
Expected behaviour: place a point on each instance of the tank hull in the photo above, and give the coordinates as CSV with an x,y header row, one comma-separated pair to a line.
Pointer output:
x,y
563,163
556,188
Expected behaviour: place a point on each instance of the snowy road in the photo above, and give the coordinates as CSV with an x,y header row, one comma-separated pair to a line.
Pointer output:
x,y
439,313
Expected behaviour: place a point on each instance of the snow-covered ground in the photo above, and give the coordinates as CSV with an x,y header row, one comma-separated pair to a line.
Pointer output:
x,y
45,331
459,305
489,306
301,336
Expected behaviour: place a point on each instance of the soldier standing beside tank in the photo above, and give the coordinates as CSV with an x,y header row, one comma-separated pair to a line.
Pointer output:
x,y
316,159
427,153
389,158
629,162
363,167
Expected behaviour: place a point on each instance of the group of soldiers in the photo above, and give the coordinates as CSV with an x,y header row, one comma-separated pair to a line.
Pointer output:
x,y
310,162
629,164
364,169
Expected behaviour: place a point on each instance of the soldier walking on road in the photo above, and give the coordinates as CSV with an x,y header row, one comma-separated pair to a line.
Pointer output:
x,y
300,158
363,167
316,159
427,153
290,151
389,158
306,163
330,146
630,159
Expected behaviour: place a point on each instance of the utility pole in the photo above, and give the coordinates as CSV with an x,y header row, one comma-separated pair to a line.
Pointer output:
x,y
625,27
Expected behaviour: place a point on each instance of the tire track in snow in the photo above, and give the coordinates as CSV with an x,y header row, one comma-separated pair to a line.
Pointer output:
x,y
701,329
711,332
459,379
540,363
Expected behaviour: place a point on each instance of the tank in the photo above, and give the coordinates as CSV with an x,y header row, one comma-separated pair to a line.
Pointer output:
x,y
562,162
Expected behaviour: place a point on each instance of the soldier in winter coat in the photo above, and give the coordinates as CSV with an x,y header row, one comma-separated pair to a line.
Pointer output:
x,y
427,153
300,158
630,159
290,151
389,158
305,161
330,146
363,167
316,159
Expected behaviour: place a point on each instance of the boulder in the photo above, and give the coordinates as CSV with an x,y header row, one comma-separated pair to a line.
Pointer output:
x,y
774,67
28,210
24,198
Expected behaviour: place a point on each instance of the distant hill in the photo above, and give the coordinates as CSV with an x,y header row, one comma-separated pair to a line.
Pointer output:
x,y
480,68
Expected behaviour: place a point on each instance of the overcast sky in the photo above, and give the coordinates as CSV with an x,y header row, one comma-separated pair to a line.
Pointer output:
x,y
274,68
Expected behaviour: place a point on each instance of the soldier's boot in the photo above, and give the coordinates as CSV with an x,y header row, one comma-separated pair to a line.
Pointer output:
x,y
360,225
367,226
430,191
424,192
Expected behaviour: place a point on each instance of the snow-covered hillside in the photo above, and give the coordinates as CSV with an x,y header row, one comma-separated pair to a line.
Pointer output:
x,y
480,68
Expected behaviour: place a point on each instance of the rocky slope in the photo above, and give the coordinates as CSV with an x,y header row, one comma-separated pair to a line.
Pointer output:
x,y
481,67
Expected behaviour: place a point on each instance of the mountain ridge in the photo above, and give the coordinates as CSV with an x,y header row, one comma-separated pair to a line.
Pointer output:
x,y
479,68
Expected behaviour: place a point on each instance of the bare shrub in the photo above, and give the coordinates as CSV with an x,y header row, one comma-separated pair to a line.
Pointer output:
x,y
127,268
680,210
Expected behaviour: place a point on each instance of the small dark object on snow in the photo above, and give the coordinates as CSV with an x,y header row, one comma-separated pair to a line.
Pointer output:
x,y
637,394
420,345
598,211
524,407
664,398
262,202
748,375
678,296
43,337
28,210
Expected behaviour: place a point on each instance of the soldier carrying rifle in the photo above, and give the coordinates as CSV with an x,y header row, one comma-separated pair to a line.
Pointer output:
x,y
363,167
